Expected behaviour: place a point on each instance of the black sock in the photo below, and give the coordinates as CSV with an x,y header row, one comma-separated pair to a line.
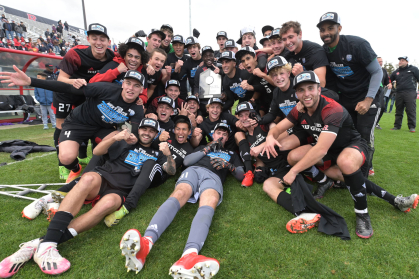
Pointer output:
x,y
58,226
65,237
67,187
376,190
284,200
74,166
245,154
57,133
314,173
83,149
356,185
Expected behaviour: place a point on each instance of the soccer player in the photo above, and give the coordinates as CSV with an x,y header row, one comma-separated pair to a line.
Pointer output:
x,y
248,37
176,60
154,39
194,114
163,113
166,42
267,31
78,66
132,56
154,73
105,188
203,179
107,106
358,73
230,45
221,40
172,91
337,143
277,47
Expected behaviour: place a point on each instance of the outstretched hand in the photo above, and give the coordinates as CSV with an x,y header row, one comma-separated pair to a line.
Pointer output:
x,y
269,147
18,78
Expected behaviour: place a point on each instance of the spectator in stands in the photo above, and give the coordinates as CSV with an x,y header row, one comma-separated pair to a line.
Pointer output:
x,y
41,46
16,42
44,98
1,43
34,47
2,33
18,30
63,51
3,17
66,26
47,33
51,51
59,27
13,24
8,29
24,30
56,46
9,44
54,29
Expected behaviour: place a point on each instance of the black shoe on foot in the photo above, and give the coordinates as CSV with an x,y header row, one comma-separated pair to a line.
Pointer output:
x,y
363,225
339,185
323,187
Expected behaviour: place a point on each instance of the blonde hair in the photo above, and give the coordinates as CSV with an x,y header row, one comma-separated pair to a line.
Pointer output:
x,y
167,29
287,67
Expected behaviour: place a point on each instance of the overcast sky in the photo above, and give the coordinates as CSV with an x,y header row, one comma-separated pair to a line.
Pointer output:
x,y
390,29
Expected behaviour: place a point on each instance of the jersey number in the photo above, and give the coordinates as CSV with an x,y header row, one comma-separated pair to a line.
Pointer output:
x,y
61,107
67,133
184,175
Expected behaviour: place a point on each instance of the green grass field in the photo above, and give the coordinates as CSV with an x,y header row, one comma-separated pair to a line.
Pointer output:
x,y
247,235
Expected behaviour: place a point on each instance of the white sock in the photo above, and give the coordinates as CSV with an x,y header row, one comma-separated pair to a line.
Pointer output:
x,y
45,245
48,198
73,232
190,250
323,180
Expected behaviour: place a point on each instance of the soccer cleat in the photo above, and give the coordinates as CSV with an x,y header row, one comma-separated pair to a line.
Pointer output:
x,y
363,225
412,130
193,265
50,261
73,175
303,222
58,196
10,265
339,185
248,179
395,129
64,172
46,127
84,161
135,249
34,209
371,172
406,203
323,187
52,209
114,218
378,127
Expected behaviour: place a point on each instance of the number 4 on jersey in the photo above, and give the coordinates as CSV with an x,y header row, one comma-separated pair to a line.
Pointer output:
x,y
67,133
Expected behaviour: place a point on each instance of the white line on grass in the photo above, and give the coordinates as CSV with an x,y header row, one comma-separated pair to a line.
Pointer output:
x,y
47,154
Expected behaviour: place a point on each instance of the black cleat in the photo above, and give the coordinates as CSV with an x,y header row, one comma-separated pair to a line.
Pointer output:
x,y
339,185
363,225
323,187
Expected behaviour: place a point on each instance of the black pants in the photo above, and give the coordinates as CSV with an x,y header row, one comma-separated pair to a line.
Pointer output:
x,y
406,99
151,175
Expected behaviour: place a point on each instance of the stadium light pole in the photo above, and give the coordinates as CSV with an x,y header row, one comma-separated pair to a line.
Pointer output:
x,y
84,15
190,15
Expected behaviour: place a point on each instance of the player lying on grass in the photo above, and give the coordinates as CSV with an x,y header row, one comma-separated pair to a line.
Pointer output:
x,y
106,188
107,105
207,169
338,148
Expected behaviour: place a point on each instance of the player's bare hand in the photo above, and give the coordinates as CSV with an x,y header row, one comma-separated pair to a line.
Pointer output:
x,y
168,70
122,68
269,147
245,85
300,107
241,67
164,136
152,116
197,132
150,70
390,86
15,79
216,70
164,147
184,109
178,66
255,151
289,177
239,125
140,102
363,106
199,119
77,83
123,135
132,139
258,72
298,68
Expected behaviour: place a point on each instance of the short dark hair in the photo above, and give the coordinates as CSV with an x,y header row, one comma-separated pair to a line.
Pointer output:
x,y
42,75
181,120
123,48
159,50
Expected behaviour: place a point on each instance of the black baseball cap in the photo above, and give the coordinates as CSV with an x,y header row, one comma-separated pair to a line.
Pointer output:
x,y
191,41
97,28
275,33
134,40
306,76
172,82
205,49
404,57
243,106
178,39
135,75
157,32
223,126
277,61
183,118
215,100
167,26
227,55
166,100
266,38
222,34
245,50
149,122
192,97
329,16
266,28
230,43
49,65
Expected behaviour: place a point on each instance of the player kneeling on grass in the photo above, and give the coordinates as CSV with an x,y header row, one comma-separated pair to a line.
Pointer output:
x,y
107,105
106,188
337,142
207,169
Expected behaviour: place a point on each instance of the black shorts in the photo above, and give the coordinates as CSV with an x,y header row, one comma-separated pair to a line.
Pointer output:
x,y
105,189
302,135
63,103
331,157
80,133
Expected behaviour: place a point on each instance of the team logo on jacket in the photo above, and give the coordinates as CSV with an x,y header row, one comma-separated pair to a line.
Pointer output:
x,y
349,57
304,60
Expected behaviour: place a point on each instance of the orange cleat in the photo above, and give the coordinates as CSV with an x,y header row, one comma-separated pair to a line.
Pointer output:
x,y
248,179
73,175
303,222
195,266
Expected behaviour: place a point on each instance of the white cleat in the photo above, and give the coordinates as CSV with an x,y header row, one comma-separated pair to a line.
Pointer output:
x,y
34,209
192,266
135,249
50,261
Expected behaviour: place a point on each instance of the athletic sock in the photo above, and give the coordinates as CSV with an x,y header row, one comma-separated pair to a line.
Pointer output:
x,y
67,187
162,219
58,226
57,133
94,162
317,175
83,149
377,191
188,251
74,166
284,200
356,185
244,149
199,228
